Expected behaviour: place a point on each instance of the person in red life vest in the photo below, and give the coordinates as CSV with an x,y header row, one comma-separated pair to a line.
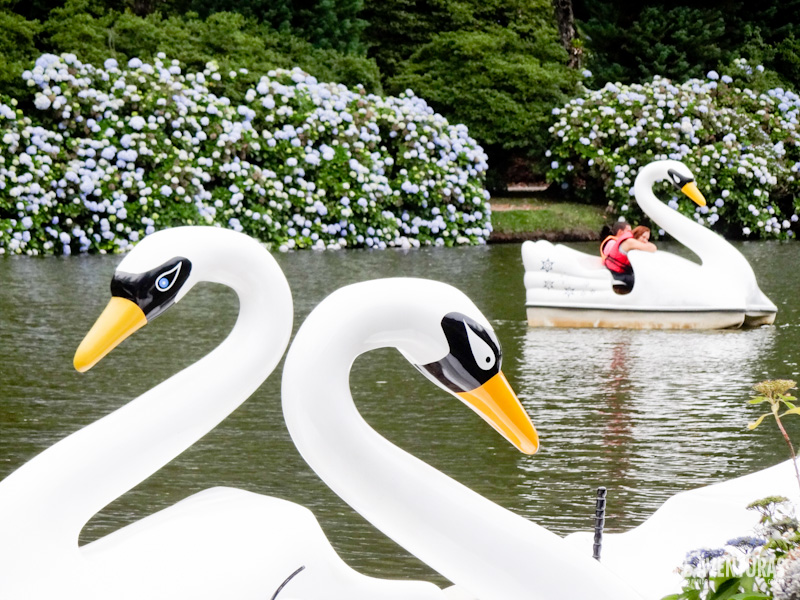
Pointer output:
x,y
615,248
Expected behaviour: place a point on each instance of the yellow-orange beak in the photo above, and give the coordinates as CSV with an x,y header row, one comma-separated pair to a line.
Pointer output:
x,y
119,319
499,406
690,189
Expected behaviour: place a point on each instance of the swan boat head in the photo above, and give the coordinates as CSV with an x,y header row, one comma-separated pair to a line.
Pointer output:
x,y
433,325
145,284
470,369
159,272
678,174
459,352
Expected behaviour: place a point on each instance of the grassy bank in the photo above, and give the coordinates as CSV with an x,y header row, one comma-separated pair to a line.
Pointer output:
x,y
520,217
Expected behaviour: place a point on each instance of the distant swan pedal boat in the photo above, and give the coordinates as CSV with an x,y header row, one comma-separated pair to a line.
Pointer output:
x,y
567,288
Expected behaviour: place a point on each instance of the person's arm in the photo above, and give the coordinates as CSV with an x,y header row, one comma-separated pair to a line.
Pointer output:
x,y
634,244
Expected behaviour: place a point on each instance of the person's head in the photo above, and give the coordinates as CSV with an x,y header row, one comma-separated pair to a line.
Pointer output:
x,y
641,233
619,227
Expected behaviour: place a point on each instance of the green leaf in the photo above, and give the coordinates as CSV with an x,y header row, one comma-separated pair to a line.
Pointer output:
x,y
757,422
672,597
726,589
758,400
746,582
750,596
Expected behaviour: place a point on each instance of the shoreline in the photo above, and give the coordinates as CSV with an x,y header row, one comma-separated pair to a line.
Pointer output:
x,y
519,217
568,235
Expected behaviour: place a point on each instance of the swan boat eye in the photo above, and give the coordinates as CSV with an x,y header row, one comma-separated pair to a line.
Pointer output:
x,y
168,278
154,291
475,356
678,180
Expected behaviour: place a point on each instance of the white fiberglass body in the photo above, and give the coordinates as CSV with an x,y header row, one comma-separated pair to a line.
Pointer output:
x,y
568,288
486,550
219,543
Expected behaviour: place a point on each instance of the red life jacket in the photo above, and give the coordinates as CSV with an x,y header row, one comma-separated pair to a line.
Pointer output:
x,y
614,259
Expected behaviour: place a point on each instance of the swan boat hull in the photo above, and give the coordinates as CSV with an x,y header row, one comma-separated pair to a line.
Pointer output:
x,y
613,318
568,288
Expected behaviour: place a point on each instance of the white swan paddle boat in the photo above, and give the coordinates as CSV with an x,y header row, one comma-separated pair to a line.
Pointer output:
x,y
568,288
485,550
219,543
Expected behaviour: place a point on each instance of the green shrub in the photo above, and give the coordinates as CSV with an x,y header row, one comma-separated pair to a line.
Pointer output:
x,y
743,147
123,151
233,41
500,84
17,50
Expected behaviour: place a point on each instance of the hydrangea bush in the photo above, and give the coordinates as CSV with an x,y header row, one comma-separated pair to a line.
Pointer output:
x,y
122,151
754,567
743,147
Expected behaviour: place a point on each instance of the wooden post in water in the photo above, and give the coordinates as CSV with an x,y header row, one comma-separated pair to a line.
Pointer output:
x,y
599,522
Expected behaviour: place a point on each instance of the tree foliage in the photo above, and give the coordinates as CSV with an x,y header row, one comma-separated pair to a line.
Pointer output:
x,y
232,40
329,24
496,66
17,50
492,81
630,41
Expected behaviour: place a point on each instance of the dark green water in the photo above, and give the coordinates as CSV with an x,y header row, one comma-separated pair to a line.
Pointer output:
x,y
646,414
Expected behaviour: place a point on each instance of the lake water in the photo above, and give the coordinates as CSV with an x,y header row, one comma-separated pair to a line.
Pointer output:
x,y
644,413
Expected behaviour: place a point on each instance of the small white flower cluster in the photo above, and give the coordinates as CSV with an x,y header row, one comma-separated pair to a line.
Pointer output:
x,y
743,147
123,151
27,157
786,585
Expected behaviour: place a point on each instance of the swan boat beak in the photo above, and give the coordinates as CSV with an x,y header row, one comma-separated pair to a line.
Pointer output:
x,y
691,190
687,185
119,320
499,406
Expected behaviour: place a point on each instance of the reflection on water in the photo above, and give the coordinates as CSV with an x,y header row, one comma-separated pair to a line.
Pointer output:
x,y
645,413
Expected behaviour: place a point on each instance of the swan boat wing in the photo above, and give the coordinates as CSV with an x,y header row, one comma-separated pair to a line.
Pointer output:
x,y
701,518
